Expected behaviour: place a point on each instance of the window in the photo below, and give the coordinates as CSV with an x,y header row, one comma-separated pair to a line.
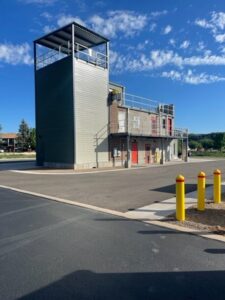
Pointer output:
x,y
136,122
164,123
154,125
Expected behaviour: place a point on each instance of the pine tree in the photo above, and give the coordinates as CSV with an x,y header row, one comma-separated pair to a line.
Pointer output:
x,y
23,136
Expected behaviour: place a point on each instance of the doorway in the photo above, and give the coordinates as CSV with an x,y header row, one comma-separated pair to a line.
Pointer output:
x,y
147,154
134,150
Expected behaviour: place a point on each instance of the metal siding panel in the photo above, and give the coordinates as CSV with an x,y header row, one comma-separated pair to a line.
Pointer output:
x,y
54,113
91,93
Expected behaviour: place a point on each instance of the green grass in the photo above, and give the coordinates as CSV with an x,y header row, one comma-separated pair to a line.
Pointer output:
x,y
6,155
209,154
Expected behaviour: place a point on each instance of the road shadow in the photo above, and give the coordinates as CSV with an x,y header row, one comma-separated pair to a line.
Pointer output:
x,y
171,189
215,251
86,284
17,165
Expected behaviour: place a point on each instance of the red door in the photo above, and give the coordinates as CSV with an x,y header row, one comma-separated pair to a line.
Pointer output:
x,y
170,126
147,154
134,150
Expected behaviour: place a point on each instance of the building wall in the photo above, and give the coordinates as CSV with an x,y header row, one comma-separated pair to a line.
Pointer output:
x,y
157,146
91,115
54,114
139,122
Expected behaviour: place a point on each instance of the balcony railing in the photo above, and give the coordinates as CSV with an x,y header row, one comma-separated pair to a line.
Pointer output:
x,y
137,128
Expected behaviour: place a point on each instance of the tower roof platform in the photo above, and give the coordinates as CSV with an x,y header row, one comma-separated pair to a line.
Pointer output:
x,y
63,35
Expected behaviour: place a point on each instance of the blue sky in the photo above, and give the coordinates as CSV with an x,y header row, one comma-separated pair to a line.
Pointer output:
x,y
172,51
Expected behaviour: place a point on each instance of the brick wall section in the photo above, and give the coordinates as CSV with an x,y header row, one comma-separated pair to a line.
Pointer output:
x,y
113,117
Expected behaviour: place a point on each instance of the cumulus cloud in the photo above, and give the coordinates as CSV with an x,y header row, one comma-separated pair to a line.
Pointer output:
x,y
185,44
192,78
128,23
161,58
220,38
16,54
215,24
66,19
48,28
167,29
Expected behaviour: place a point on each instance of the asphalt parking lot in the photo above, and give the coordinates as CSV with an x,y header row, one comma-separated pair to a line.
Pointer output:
x,y
120,190
51,250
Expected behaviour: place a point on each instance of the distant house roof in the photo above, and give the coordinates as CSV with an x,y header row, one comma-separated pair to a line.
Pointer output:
x,y
8,135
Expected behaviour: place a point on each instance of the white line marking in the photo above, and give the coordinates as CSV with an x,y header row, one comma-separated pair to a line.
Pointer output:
x,y
72,172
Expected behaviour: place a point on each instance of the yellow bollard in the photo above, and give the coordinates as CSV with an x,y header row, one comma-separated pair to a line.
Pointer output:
x,y
180,198
217,186
201,191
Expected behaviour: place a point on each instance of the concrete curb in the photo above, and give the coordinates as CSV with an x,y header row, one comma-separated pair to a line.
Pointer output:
x,y
162,223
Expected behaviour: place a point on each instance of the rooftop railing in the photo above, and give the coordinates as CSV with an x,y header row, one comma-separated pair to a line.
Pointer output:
x,y
145,104
81,52
90,56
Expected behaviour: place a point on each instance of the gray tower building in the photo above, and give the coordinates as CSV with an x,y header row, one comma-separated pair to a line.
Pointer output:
x,y
71,91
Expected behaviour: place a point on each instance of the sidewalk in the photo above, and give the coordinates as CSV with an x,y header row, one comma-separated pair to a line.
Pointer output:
x,y
163,209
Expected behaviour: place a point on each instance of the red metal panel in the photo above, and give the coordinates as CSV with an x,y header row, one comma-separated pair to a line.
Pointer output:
x,y
170,126
134,150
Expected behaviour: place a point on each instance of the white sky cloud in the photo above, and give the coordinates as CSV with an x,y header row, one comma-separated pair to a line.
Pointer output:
x,y
201,46
127,22
48,28
172,42
161,58
66,19
43,2
216,24
152,27
192,78
185,44
218,19
156,14
203,23
167,29
47,16
220,38
16,54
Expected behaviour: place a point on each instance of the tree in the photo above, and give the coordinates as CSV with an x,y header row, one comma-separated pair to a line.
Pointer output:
x,y
195,145
0,136
219,141
23,136
207,143
32,138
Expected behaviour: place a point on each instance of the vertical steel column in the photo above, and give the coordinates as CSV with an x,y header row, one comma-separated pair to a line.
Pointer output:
x,y
128,151
186,156
162,160
38,162
74,103
107,55
128,140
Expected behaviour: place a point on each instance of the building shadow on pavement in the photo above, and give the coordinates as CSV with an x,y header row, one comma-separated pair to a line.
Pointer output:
x,y
171,189
153,285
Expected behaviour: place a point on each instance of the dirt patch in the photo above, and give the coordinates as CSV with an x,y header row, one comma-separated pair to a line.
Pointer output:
x,y
211,220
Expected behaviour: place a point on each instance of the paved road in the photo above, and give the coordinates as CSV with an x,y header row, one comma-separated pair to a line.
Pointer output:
x,y
120,191
50,250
